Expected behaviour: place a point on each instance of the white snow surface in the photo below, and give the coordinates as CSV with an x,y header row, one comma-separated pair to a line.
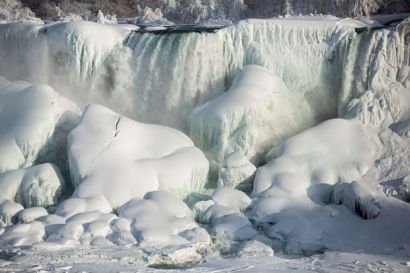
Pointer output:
x,y
34,122
122,159
328,191
330,152
40,185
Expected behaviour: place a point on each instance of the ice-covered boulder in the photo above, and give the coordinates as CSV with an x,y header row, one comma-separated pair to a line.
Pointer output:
x,y
156,221
73,206
34,122
382,107
257,112
9,211
31,214
40,185
334,151
121,159
237,171
231,198
24,234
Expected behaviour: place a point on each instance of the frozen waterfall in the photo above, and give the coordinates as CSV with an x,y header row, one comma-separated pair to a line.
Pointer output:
x,y
94,63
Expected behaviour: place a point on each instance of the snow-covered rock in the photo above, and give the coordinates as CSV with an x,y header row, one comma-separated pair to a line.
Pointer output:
x,y
22,235
31,214
330,152
231,198
169,203
34,122
382,107
237,171
40,185
255,248
9,211
74,206
122,159
155,223
255,114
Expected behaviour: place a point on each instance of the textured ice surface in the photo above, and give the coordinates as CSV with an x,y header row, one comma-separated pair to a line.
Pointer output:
x,y
75,59
303,198
40,185
327,153
122,159
154,221
357,198
8,211
34,122
256,113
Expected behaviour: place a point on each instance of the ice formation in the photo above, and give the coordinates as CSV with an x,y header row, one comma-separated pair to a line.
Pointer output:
x,y
122,159
37,186
34,122
334,154
74,59
345,80
254,115
8,211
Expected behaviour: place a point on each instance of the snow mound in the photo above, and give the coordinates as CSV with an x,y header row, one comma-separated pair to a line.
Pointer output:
x,y
231,198
330,152
121,159
31,214
152,225
24,234
75,206
40,185
34,122
9,211
256,113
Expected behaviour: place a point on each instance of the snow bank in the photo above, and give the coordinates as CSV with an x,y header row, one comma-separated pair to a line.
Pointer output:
x,y
40,185
327,153
34,122
122,159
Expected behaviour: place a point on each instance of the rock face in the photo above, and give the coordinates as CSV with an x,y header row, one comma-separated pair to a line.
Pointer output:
x,y
121,159
40,185
34,122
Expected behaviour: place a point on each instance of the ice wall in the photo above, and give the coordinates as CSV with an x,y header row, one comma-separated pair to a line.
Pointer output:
x,y
176,72
164,77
